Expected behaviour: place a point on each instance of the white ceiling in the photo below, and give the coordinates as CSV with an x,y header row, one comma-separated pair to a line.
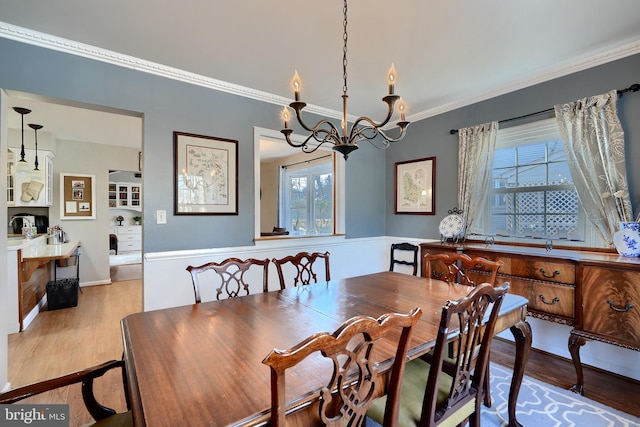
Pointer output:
x,y
447,53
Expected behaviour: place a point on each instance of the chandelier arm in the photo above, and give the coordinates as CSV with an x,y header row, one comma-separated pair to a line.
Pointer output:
x,y
298,106
329,137
361,133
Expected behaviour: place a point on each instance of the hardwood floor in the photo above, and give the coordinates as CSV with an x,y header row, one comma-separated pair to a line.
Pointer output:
x,y
66,340
609,389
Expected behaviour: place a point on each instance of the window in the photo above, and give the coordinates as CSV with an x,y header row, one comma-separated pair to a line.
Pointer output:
x,y
532,194
270,152
306,198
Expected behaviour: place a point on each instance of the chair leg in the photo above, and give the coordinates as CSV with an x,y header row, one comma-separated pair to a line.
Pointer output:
x,y
486,389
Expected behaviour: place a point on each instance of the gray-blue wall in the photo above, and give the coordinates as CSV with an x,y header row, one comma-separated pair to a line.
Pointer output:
x,y
431,137
168,105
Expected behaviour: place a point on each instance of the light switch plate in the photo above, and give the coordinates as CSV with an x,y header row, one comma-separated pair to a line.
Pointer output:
x,y
161,216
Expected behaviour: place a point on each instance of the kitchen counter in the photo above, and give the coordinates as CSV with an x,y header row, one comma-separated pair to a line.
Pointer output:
x,y
44,252
29,270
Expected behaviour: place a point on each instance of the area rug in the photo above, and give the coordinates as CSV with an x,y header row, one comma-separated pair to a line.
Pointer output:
x,y
124,258
544,405
541,404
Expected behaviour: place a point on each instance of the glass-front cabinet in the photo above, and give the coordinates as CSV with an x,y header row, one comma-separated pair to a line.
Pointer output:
x,y
29,189
123,195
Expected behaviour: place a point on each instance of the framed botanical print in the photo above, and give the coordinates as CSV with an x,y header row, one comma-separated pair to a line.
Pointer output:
x,y
206,175
415,186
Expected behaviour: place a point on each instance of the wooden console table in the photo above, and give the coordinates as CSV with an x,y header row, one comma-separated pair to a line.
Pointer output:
x,y
598,293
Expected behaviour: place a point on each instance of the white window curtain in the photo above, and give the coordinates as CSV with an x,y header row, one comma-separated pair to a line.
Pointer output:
x,y
594,143
476,149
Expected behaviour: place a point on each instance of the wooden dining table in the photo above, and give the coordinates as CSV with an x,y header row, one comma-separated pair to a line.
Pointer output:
x,y
201,365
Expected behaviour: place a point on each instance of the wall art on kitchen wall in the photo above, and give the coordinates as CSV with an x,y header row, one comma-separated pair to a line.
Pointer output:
x,y
206,175
77,194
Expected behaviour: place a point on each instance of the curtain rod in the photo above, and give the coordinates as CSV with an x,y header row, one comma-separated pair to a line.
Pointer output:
x,y
633,88
305,161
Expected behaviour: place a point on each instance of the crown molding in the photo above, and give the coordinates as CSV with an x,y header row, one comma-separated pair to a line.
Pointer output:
x,y
561,71
48,41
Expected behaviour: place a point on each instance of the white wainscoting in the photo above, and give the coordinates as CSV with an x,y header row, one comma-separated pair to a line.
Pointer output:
x,y
168,284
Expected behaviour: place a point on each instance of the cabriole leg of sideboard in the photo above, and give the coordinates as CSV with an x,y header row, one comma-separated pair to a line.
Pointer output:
x,y
575,342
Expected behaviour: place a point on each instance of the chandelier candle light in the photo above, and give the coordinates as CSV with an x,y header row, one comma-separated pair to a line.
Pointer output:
x,y
363,128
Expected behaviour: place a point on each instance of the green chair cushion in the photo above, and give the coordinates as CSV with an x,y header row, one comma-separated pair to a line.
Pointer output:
x,y
122,419
414,384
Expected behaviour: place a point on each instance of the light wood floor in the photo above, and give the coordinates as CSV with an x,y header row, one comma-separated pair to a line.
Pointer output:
x,y
61,341
66,340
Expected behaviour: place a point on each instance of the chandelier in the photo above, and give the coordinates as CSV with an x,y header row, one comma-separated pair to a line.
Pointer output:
x,y
345,140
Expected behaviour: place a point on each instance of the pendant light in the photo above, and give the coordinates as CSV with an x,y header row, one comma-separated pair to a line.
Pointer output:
x,y
22,166
36,174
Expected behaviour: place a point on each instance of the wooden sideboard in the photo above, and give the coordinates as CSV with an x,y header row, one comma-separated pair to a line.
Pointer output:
x,y
598,293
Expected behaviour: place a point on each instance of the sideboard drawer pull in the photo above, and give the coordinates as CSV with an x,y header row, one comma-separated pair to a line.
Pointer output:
x,y
619,310
554,301
549,276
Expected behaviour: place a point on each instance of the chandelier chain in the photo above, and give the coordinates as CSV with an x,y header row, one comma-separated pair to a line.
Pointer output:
x,y
344,49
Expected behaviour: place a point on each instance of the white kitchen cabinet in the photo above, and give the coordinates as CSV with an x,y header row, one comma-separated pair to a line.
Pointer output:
x,y
123,195
17,182
129,237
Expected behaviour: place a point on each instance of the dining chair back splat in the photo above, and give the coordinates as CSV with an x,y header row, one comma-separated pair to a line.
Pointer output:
x,y
303,262
231,272
101,414
355,381
430,396
461,268
404,247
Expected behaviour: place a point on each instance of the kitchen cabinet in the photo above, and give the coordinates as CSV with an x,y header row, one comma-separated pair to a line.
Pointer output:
x,y
129,237
18,182
123,195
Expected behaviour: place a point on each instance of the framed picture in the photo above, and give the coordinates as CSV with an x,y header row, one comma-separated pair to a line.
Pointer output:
x,y
77,193
206,175
415,187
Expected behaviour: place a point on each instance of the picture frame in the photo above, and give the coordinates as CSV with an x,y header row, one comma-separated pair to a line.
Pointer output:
x,y
77,196
415,186
205,175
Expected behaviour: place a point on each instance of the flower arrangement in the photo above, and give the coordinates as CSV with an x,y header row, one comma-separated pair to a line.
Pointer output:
x,y
137,219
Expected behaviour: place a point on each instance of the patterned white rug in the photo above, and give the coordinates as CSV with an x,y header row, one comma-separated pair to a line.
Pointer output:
x,y
544,405
541,404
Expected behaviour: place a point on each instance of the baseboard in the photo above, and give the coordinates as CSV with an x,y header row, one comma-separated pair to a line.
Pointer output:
x,y
6,388
34,312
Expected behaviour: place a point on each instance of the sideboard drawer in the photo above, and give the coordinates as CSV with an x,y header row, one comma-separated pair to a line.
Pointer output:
x,y
542,270
611,304
545,299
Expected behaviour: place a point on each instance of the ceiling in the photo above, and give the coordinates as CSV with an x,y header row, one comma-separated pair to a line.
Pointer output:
x,y
447,53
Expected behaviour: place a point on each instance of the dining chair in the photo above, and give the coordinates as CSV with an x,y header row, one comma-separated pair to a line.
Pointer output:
x,y
102,415
302,264
404,247
355,380
430,394
231,274
461,268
